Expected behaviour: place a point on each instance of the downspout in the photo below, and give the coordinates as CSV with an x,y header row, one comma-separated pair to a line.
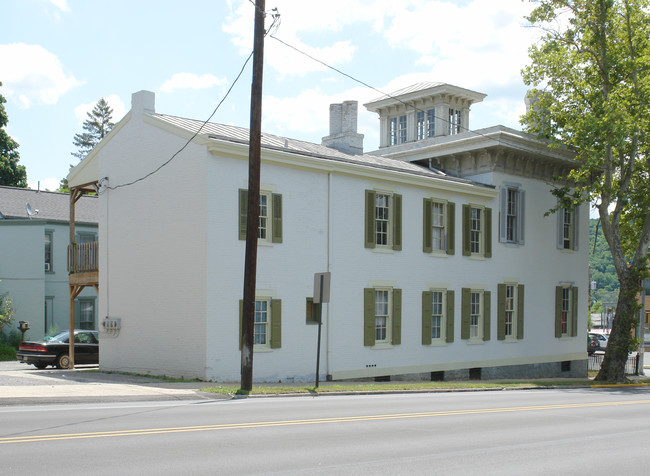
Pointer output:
x,y
329,268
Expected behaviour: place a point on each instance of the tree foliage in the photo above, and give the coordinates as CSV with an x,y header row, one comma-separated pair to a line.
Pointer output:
x,y
11,173
591,77
7,311
96,126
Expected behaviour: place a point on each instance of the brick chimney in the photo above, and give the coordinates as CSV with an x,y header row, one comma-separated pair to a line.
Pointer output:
x,y
343,129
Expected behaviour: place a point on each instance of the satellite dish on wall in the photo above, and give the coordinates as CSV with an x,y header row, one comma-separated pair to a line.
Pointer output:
x,y
30,211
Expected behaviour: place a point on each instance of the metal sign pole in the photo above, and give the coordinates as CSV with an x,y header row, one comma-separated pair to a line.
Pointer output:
x,y
320,324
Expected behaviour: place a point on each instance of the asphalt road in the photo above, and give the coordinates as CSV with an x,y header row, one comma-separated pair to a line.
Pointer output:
x,y
507,432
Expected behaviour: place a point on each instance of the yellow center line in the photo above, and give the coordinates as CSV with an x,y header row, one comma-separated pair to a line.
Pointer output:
x,y
311,421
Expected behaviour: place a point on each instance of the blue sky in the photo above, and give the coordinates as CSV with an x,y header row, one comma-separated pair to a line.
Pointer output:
x,y
58,57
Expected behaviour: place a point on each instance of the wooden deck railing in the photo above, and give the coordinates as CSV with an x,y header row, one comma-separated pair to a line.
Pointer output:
x,y
83,257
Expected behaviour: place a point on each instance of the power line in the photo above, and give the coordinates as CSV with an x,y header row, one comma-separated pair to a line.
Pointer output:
x,y
241,71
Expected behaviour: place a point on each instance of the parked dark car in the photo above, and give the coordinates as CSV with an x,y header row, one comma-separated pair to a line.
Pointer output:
x,y
54,350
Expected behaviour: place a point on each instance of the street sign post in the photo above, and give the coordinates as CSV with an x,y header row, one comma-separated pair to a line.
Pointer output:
x,y
321,295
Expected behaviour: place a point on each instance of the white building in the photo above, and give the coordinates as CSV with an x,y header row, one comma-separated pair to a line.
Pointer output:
x,y
441,257
34,237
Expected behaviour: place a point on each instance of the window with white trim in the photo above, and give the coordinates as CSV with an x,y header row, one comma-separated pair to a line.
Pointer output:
x,y
567,228
49,245
475,314
270,216
382,316
511,226
437,316
397,130
455,125
383,227
566,311
510,311
267,323
477,231
426,124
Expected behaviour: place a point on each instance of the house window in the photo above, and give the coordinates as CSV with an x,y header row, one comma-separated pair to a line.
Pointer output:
x,y
382,316
267,323
49,242
383,220
477,231
510,311
438,226
437,316
567,228
475,315
270,216
566,311
425,124
397,130
86,314
454,121
512,215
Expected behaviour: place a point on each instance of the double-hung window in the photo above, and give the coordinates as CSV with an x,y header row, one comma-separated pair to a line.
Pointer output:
x,y
510,310
382,316
438,226
49,244
383,220
455,125
511,225
267,323
397,130
567,228
477,231
475,314
437,316
566,311
426,124
270,216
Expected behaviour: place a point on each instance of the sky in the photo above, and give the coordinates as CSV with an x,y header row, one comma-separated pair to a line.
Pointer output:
x,y
59,57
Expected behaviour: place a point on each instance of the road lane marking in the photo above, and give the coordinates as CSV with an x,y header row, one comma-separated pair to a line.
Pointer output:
x,y
311,421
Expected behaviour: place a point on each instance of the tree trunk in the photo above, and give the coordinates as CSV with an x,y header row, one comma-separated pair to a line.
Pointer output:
x,y
621,340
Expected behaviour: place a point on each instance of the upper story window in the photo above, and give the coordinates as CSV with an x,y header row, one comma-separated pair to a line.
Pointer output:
x,y
566,311
49,243
477,231
383,220
567,228
512,206
397,130
455,125
438,226
426,124
270,219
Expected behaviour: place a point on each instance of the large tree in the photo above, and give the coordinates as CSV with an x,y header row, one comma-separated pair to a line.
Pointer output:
x,y
11,173
590,74
96,126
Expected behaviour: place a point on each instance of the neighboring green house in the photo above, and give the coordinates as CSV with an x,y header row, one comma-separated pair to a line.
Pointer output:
x,y
34,237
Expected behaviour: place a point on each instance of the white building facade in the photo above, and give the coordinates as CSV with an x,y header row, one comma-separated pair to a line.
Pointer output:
x,y
443,264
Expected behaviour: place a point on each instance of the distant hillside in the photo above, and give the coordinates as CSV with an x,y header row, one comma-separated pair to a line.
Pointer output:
x,y
602,267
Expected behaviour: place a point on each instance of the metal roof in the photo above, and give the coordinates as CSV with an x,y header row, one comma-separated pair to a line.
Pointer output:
x,y
51,206
273,142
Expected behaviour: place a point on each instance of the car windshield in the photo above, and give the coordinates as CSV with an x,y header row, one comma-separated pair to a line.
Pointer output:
x,y
60,337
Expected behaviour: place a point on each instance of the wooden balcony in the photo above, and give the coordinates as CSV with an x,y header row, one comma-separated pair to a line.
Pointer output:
x,y
83,263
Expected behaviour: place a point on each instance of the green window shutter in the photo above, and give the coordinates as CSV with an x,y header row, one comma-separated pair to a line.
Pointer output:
x,y
501,311
397,317
486,315
574,311
276,323
464,312
241,310
427,308
558,311
243,213
451,232
488,232
370,238
450,316
574,229
520,311
276,210
466,225
368,317
397,222
426,225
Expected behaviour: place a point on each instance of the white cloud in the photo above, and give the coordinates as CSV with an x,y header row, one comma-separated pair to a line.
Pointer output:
x,y
114,101
60,4
49,183
31,74
191,81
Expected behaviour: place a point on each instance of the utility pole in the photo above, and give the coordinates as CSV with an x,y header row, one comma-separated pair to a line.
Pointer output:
x,y
252,223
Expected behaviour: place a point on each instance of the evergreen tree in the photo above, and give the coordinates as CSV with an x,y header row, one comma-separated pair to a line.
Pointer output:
x,y
11,173
96,127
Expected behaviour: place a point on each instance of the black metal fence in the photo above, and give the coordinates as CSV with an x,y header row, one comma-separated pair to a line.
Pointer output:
x,y
631,366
